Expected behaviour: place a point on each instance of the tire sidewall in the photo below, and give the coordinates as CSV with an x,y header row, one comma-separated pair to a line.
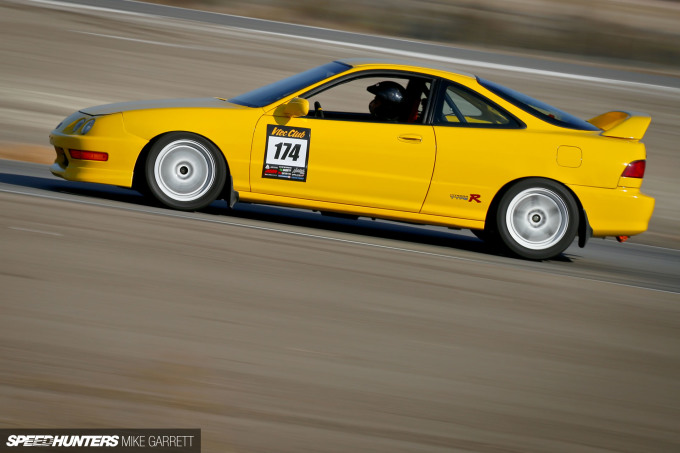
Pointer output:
x,y
203,201
516,248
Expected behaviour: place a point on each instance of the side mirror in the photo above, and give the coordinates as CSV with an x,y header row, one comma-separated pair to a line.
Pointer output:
x,y
296,107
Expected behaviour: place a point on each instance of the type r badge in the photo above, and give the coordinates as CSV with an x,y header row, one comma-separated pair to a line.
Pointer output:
x,y
469,198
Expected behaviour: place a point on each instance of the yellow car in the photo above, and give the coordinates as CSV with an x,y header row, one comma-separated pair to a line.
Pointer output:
x,y
382,140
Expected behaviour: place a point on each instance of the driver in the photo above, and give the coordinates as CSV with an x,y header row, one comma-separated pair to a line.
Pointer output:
x,y
389,101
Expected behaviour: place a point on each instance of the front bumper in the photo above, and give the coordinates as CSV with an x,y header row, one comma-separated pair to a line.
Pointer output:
x,y
108,136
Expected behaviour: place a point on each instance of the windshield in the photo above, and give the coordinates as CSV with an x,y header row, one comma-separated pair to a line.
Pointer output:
x,y
279,90
537,108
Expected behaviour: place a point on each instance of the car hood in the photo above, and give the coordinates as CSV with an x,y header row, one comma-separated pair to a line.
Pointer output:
x,y
108,109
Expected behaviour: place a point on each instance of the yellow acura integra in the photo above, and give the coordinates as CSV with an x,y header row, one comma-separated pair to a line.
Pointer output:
x,y
383,140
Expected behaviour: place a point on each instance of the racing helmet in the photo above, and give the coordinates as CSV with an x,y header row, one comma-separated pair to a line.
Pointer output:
x,y
391,96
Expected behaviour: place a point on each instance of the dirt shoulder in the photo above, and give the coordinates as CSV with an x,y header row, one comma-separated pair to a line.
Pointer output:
x,y
27,153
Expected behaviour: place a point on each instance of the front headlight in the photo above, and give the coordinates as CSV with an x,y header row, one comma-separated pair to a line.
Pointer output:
x,y
78,125
87,127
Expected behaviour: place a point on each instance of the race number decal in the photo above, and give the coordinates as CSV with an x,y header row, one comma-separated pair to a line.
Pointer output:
x,y
287,152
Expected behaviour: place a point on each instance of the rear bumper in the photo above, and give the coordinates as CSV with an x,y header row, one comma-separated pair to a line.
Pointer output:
x,y
623,211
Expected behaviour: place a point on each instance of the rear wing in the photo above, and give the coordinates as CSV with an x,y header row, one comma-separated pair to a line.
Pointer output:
x,y
629,125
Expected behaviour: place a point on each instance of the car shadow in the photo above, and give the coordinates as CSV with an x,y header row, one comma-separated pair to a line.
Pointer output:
x,y
274,215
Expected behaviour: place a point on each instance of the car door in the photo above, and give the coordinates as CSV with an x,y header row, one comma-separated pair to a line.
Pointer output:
x,y
347,156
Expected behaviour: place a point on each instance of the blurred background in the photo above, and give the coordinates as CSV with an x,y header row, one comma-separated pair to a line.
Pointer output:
x,y
645,32
58,58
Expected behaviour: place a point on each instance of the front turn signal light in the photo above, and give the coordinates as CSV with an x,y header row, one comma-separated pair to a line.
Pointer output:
x,y
88,155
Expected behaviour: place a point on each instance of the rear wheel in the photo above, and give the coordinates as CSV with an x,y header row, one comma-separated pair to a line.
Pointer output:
x,y
185,171
537,219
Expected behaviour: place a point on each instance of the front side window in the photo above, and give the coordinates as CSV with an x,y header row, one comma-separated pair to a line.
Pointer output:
x,y
461,107
373,97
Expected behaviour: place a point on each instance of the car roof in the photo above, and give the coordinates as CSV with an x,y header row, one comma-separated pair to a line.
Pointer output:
x,y
402,64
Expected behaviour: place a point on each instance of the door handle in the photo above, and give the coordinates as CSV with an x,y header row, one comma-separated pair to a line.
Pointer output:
x,y
411,138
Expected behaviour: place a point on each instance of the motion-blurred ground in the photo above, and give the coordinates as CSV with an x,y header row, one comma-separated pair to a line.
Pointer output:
x,y
643,31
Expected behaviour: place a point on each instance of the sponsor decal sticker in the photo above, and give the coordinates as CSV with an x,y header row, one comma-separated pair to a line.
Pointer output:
x,y
287,153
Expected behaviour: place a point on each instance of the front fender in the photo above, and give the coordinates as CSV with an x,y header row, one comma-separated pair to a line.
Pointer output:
x,y
230,129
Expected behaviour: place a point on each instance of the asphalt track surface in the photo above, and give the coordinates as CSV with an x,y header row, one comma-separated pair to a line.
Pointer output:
x,y
280,330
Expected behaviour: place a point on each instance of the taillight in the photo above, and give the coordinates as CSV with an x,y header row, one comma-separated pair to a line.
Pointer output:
x,y
635,169
88,155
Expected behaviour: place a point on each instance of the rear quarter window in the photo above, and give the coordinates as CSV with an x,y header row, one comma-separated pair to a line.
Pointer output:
x,y
459,106
537,108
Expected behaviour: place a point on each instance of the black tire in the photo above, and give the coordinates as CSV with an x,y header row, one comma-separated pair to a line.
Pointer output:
x,y
185,171
537,219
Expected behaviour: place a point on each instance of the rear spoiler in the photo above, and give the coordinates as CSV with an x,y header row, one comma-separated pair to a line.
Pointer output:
x,y
630,125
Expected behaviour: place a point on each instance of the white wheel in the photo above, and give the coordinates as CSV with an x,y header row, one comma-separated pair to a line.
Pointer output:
x,y
537,219
185,171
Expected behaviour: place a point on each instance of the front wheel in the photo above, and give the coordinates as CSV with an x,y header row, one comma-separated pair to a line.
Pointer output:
x,y
185,171
537,219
